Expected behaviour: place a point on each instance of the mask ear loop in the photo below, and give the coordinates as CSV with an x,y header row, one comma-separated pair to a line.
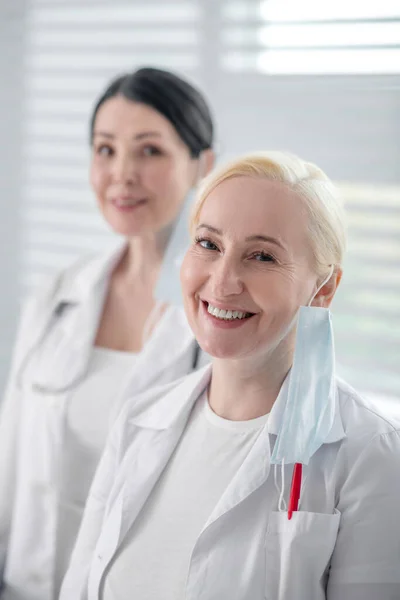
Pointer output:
x,y
303,483
276,479
331,271
282,506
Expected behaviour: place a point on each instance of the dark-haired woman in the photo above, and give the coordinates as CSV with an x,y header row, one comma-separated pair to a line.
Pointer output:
x,y
96,332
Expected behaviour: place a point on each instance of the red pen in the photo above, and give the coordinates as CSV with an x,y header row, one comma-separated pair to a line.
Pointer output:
x,y
295,489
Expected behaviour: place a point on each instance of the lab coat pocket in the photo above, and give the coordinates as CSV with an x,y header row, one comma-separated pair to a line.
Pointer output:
x,y
298,552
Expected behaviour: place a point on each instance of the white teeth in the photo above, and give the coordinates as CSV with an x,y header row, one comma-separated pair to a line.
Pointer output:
x,y
226,315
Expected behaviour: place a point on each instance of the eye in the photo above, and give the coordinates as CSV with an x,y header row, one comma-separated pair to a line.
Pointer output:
x,y
104,150
263,257
151,151
206,244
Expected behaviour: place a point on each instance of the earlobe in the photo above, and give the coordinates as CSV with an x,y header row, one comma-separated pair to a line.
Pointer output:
x,y
205,163
208,162
339,275
326,294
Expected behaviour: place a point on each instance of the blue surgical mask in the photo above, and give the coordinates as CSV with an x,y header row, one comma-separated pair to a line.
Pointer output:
x,y
310,405
168,287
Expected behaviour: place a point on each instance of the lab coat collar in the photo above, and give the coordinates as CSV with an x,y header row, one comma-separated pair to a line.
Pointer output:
x,y
178,402
77,287
157,410
63,352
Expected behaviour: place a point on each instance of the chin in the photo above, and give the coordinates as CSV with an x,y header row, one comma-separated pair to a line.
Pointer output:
x,y
125,229
220,351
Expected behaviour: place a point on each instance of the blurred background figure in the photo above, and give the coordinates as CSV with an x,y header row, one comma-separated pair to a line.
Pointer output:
x,y
96,331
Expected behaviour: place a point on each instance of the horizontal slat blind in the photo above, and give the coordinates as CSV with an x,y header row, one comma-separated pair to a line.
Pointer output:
x,y
260,63
310,37
367,306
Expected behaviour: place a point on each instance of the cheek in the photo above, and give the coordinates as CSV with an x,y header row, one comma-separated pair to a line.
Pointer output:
x,y
276,296
192,275
168,188
159,174
154,173
98,178
173,177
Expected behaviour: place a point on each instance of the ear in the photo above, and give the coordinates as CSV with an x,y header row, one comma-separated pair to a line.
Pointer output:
x,y
326,294
207,162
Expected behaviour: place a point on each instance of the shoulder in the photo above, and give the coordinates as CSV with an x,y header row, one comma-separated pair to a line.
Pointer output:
x,y
366,426
360,414
57,282
71,283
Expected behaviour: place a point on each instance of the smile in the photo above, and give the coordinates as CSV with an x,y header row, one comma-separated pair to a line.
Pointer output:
x,y
127,202
227,315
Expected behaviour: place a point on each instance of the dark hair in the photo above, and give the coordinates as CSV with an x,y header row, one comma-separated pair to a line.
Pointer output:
x,y
176,99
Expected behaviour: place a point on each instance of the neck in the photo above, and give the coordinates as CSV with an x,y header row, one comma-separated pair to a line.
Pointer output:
x,y
142,260
246,389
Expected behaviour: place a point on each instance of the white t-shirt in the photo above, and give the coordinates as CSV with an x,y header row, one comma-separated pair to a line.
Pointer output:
x,y
153,561
89,411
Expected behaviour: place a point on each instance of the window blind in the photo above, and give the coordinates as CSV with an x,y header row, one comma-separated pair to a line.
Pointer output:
x,y
287,36
319,80
367,308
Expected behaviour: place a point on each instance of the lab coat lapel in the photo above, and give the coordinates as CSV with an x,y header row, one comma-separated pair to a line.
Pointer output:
x,y
254,470
155,428
139,472
252,474
145,465
67,340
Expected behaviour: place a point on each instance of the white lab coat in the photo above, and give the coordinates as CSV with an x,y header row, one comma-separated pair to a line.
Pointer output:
x,y
343,544
54,344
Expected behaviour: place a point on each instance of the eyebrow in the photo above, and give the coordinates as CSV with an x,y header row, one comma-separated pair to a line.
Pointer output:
x,y
251,238
137,137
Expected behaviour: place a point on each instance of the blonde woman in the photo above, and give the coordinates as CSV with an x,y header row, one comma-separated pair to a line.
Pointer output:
x,y
261,476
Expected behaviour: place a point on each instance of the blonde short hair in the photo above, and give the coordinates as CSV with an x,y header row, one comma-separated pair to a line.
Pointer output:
x,y
320,197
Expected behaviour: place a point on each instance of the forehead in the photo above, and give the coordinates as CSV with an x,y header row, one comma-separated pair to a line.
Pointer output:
x,y
118,115
246,206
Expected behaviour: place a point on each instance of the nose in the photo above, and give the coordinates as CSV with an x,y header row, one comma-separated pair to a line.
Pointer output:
x,y
226,278
125,169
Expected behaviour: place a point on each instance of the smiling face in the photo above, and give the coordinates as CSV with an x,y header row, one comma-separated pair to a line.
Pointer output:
x,y
249,269
141,170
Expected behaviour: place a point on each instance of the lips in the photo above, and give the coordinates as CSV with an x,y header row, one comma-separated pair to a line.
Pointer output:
x,y
127,201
